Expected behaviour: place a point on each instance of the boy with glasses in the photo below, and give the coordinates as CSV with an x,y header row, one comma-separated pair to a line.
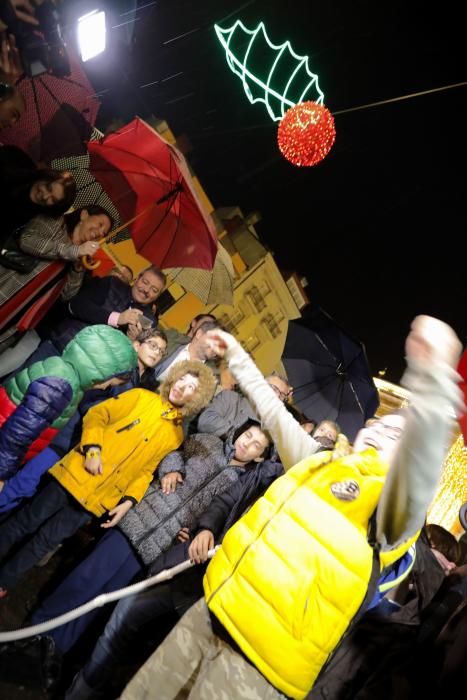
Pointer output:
x,y
150,349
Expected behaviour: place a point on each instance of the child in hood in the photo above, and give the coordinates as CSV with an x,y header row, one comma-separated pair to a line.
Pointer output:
x,y
40,399
122,443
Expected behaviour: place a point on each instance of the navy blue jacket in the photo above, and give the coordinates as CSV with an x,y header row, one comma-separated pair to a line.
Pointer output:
x,y
94,303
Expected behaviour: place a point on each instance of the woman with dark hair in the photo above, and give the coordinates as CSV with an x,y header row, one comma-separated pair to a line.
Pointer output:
x,y
41,241
26,191
67,237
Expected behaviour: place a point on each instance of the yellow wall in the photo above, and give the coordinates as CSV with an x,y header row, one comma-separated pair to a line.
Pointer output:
x,y
279,302
125,253
180,314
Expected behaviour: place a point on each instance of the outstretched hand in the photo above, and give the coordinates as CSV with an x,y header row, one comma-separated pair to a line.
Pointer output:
x,y
170,481
219,341
432,341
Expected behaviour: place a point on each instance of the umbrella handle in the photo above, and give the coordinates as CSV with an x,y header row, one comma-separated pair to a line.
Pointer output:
x,y
88,263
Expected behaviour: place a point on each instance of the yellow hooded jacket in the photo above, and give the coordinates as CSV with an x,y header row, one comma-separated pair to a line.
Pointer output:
x,y
293,572
135,430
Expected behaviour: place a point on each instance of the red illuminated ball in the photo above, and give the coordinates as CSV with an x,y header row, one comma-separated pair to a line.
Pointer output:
x,y
306,133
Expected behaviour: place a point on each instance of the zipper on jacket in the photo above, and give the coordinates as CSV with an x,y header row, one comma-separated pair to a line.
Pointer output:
x,y
172,513
129,426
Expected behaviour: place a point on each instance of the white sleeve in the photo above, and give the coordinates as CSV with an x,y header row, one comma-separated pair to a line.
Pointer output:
x,y
416,467
292,442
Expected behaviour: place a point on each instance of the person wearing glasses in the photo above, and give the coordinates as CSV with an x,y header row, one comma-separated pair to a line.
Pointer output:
x,y
150,349
230,409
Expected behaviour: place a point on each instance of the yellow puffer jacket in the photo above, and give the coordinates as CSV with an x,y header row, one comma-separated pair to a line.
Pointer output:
x,y
135,430
293,572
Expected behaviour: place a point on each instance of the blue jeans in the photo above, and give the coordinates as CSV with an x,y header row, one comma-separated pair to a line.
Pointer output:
x,y
25,482
51,517
111,564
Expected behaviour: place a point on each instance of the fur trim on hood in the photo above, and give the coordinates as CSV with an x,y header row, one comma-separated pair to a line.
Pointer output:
x,y
205,391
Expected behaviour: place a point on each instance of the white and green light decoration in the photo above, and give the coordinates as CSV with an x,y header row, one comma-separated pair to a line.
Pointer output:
x,y
282,80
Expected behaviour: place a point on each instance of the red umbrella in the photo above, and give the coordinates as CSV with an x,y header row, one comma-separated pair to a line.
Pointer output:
x,y
149,179
59,116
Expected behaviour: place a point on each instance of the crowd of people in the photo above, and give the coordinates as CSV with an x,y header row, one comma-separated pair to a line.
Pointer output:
x,y
165,446
322,543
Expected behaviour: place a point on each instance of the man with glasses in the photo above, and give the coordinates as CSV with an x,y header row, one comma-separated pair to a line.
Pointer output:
x,y
230,409
198,349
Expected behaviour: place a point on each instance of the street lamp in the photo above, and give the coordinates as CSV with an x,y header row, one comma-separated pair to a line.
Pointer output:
x,y
91,34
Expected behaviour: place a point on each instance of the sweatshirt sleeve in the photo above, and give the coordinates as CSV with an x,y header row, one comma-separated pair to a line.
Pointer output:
x,y
89,303
292,442
174,462
417,463
48,244
215,517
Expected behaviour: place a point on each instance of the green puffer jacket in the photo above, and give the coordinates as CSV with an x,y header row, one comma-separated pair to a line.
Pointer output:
x,y
45,395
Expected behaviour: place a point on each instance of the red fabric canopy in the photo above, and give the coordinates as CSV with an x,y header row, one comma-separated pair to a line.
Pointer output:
x,y
140,171
59,115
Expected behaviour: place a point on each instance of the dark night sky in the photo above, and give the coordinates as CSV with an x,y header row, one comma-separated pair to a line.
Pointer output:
x,y
379,226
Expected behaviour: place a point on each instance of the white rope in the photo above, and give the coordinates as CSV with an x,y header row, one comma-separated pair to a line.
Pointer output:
x,y
97,602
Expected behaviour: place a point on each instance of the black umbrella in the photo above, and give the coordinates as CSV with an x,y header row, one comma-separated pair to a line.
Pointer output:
x,y
329,372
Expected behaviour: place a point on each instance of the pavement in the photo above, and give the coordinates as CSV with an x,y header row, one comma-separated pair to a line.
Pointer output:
x,y
15,611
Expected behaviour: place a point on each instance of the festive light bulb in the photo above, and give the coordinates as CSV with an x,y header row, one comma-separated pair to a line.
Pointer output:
x,y
306,133
289,80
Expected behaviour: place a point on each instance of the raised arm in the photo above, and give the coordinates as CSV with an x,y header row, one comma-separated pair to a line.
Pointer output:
x,y
292,442
432,350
